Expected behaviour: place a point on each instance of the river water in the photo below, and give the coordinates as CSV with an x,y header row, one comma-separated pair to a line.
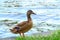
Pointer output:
x,y
47,15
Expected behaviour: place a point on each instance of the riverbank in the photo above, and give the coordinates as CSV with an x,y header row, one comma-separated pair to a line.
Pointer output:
x,y
54,36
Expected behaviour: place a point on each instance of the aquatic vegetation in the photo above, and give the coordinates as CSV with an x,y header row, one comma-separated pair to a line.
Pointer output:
x,y
54,36
12,23
47,24
48,5
16,5
5,20
8,22
11,4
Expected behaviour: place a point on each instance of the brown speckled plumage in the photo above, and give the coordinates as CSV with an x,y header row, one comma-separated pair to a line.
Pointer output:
x,y
24,26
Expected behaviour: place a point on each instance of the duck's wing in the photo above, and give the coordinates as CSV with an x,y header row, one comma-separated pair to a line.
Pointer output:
x,y
27,26
21,24
23,28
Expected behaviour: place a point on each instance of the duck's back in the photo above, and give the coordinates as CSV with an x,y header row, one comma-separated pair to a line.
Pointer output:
x,y
21,24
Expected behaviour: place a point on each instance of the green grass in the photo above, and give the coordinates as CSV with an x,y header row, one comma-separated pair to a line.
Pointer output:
x,y
54,36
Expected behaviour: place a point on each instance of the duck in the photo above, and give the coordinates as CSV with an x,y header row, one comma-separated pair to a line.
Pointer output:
x,y
24,26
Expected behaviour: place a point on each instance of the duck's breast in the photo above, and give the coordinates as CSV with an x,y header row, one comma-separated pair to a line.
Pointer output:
x,y
27,27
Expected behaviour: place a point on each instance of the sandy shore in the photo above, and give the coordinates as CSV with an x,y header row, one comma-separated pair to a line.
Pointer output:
x,y
10,38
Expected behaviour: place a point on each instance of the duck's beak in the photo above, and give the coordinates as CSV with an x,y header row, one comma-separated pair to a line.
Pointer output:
x,y
34,13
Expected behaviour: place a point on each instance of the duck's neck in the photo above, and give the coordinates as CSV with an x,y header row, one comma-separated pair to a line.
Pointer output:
x,y
29,18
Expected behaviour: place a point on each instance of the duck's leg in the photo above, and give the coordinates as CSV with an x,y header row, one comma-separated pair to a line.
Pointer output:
x,y
23,35
20,34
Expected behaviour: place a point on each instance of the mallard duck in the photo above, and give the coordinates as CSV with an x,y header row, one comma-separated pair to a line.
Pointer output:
x,y
24,26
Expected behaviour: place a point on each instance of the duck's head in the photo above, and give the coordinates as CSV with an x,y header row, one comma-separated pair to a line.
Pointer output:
x,y
29,12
